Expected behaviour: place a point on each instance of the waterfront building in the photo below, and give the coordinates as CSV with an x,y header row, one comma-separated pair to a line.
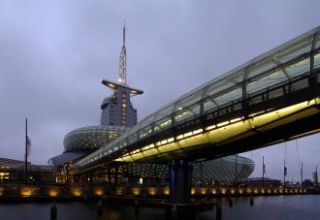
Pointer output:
x,y
263,182
12,171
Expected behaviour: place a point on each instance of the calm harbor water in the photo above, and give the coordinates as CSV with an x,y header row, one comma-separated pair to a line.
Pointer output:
x,y
265,208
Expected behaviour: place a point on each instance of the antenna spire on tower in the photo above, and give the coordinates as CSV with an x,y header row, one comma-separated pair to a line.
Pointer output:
x,y
124,33
122,81
123,60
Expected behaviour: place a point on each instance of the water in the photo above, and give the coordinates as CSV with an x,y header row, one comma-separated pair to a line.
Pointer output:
x,y
41,211
265,208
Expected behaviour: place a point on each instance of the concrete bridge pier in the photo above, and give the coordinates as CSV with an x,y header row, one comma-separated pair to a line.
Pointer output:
x,y
180,179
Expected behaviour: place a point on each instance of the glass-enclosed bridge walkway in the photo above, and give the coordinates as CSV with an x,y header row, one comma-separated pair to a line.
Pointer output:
x,y
270,99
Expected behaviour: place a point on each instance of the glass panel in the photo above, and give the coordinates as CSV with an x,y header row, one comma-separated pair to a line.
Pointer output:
x,y
122,143
208,105
318,42
162,123
163,112
316,62
256,100
236,77
219,87
188,101
295,50
183,114
298,68
237,106
299,85
267,81
223,111
261,67
145,131
147,121
229,96
195,109
132,138
275,93
224,84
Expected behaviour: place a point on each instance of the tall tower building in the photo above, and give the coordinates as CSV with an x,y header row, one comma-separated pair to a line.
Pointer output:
x,y
117,110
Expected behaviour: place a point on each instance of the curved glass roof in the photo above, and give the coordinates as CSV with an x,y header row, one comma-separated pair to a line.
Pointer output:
x,y
282,64
91,138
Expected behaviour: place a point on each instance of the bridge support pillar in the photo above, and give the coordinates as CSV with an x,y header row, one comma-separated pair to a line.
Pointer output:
x,y
180,180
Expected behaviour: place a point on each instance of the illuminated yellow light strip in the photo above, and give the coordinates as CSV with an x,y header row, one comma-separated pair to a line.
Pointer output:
x,y
170,140
220,134
164,142
197,131
256,113
187,134
236,120
179,137
148,147
222,124
210,127
135,151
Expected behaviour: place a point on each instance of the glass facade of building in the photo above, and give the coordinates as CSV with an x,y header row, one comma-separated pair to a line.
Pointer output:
x,y
225,170
117,110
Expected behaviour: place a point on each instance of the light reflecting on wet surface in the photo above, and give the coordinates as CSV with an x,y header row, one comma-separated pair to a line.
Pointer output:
x,y
276,207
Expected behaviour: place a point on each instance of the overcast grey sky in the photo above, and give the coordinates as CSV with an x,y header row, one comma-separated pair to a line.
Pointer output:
x,y
54,54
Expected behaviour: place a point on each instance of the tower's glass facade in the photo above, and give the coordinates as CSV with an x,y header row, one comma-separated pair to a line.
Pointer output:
x,y
117,110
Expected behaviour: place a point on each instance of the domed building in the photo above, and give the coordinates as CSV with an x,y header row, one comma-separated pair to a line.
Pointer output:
x,y
91,138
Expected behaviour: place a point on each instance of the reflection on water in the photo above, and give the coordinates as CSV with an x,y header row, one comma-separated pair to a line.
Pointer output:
x,y
277,207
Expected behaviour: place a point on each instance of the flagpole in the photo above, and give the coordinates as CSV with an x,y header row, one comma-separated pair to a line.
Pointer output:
x,y
263,170
316,175
301,173
284,172
26,156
